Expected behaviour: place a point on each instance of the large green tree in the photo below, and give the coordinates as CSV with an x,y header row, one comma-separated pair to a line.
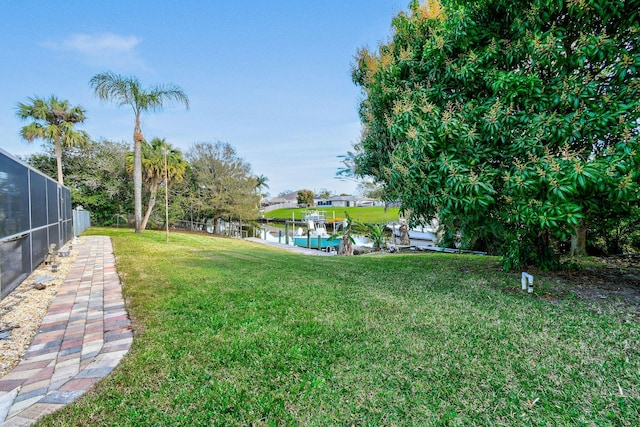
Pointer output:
x,y
128,91
305,197
161,164
97,176
513,122
222,183
53,120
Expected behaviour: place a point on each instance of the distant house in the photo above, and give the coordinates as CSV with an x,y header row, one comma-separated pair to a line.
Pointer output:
x,y
291,197
291,201
287,201
273,201
348,202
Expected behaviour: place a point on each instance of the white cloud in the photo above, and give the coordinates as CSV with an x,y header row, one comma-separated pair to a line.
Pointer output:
x,y
90,44
106,49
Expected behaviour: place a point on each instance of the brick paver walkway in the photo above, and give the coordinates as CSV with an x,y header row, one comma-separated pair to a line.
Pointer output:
x,y
84,335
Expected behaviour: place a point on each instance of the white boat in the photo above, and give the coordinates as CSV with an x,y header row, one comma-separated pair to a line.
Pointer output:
x,y
362,242
316,216
316,237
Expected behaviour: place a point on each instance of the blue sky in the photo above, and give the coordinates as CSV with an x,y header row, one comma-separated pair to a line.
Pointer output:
x,y
271,78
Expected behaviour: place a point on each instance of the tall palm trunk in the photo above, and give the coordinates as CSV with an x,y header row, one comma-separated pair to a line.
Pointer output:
x,y
58,150
153,188
137,174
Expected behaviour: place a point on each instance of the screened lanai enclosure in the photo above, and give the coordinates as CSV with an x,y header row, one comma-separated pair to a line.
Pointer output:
x,y
35,212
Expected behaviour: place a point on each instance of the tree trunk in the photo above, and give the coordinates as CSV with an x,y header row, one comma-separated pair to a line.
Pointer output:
x,y
404,234
347,246
579,240
137,174
58,149
153,189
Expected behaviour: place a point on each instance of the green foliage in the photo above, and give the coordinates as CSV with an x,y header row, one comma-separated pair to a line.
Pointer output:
x,y
365,215
346,232
324,193
614,235
218,184
162,164
522,250
375,233
128,91
97,176
510,121
221,184
305,197
53,120
261,183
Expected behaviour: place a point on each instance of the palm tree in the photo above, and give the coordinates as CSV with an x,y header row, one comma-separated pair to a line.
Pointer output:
x,y
346,234
53,121
261,182
375,233
157,155
127,90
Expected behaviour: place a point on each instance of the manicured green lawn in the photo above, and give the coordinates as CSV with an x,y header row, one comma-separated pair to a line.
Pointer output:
x,y
371,215
234,333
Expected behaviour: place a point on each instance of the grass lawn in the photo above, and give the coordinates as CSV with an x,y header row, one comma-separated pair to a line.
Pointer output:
x,y
233,333
370,215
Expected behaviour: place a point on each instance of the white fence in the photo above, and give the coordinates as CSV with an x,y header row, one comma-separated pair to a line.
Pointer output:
x,y
280,206
81,221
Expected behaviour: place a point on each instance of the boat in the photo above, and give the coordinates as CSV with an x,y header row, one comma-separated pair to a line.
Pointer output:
x,y
317,216
315,234
316,237
362,242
